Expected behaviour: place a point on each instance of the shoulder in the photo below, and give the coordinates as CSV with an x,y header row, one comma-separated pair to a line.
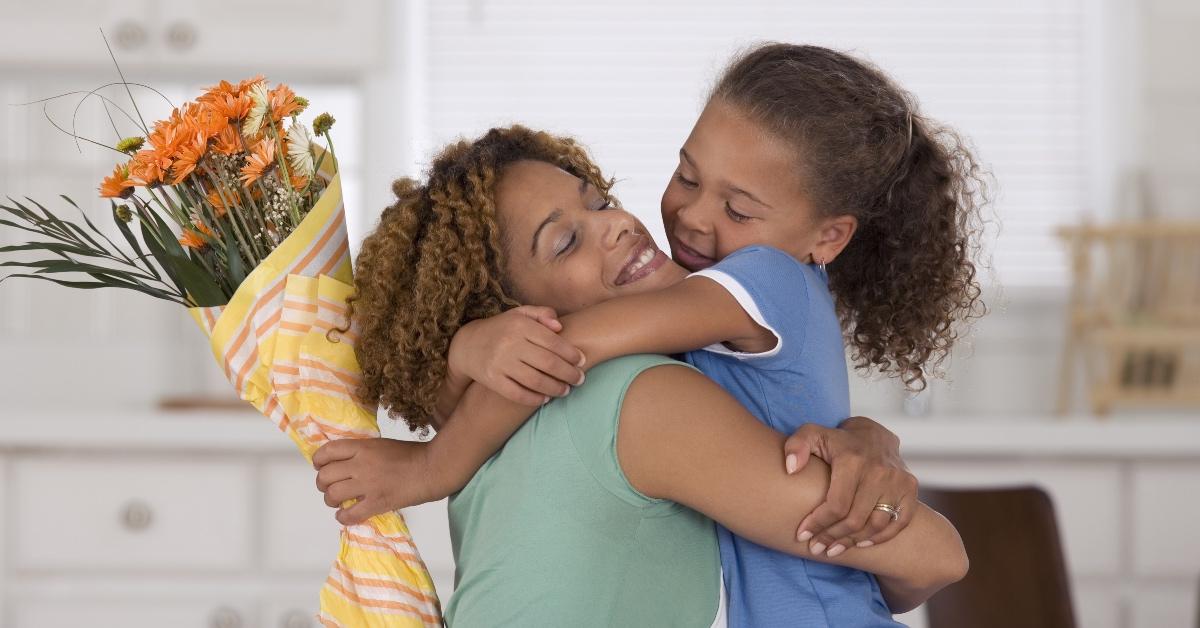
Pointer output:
x,y
776,290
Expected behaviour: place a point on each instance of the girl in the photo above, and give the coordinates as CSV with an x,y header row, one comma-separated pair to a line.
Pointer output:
x,y
803,157
577,521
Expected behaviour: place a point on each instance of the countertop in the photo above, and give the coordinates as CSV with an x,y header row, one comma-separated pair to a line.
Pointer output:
x,y
239,431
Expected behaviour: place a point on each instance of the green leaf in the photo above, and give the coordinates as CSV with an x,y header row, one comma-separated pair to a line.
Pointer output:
x,y
69,225
200,285
132,240
237,271
160,255
89,285
50,246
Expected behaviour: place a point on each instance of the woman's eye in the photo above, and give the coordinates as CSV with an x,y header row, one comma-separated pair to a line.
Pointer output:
x,y
608,203
734,215
565,246
687,183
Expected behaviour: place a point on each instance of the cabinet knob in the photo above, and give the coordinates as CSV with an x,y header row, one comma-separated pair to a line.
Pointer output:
x,y
225,617
136,515
296,619
181,36
129,36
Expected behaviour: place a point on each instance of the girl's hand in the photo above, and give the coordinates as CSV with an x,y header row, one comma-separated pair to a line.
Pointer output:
x,y
866,469
519,355
382,474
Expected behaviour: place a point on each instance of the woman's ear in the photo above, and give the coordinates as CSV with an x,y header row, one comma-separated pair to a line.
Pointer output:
x,y
835,234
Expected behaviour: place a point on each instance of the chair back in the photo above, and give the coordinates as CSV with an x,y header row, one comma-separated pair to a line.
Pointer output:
x,y
1018,575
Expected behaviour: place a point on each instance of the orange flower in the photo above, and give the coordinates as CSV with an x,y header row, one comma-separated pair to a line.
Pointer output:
x,y
194,238
232,107
118,184
167,136
218,92
148,167
188,157
218,205
299,182
282,102
259,162
243,88
227,141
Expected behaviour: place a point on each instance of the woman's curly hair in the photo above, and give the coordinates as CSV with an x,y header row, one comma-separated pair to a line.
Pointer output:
x,y
907,278
435,262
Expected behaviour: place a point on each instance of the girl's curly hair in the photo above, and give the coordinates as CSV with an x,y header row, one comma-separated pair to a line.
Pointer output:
x,y
907,277
435,262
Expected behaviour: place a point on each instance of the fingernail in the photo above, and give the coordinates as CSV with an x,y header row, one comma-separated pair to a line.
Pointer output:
x,y
566,391
792,463
836,549
804,536
582,361
545,400
864,544
817,549
581,378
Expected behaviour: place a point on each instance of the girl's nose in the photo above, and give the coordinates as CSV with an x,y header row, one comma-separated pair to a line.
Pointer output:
x,y
692,217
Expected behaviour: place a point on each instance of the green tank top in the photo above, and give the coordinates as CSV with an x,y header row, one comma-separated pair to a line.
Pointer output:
x,y
550,532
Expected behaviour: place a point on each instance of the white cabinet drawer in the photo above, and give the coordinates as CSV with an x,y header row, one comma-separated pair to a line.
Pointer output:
x,y
1087,501
102,512
150,613
1165,517
299,531
1164,605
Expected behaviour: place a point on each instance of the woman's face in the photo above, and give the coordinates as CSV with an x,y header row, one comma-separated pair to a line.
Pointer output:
x,y
736,185
568,247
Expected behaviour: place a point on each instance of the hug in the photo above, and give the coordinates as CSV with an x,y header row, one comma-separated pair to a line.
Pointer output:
x,y
613,419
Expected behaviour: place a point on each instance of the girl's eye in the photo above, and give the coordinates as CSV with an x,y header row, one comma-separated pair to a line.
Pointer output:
x,y
608,203
684,182
734,215
565,246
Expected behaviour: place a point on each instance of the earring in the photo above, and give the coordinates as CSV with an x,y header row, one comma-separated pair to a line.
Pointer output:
x,y
821,264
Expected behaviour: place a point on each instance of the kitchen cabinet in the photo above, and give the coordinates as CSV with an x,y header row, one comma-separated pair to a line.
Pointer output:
x,y
260,36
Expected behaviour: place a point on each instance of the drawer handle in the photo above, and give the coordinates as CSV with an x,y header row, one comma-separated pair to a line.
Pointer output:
x,y
181,36
130,36
296,619
136,515
225,617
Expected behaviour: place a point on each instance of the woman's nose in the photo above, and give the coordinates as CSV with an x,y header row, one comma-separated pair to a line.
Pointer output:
x,y
618,224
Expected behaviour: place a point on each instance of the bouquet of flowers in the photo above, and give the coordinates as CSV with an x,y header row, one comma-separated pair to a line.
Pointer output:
x,y
240,218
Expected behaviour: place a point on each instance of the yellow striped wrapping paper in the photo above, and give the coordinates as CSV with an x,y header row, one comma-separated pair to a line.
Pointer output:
x,y
271,340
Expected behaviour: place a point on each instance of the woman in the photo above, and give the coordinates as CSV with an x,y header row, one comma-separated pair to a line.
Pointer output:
x,y
578,520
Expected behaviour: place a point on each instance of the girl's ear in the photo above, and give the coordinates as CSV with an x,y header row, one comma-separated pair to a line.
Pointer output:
x,y
835,234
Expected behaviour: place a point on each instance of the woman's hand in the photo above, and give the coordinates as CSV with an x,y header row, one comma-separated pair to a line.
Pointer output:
x,y
866,469
519,355
382,474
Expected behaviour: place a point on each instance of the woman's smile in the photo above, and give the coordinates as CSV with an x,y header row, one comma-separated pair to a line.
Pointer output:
x,y
644,259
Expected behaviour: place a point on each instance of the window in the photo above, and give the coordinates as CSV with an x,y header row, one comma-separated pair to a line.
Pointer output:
x,y
628,78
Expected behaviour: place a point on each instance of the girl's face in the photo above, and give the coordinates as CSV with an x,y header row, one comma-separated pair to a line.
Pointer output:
x,y
568,247
736,185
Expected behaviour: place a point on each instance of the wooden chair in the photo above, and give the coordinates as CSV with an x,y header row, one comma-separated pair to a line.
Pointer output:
x,y
1018,576
1133,322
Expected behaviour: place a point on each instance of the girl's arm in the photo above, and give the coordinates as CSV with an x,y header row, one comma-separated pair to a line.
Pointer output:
x,y
528,355
683,438
690,315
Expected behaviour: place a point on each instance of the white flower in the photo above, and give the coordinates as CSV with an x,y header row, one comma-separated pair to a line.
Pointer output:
x,y
258,109
300,153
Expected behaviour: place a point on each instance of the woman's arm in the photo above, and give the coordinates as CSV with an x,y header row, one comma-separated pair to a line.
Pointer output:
x,y
683,438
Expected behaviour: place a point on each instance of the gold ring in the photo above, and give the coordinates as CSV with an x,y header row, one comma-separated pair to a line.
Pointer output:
x,y
889,509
